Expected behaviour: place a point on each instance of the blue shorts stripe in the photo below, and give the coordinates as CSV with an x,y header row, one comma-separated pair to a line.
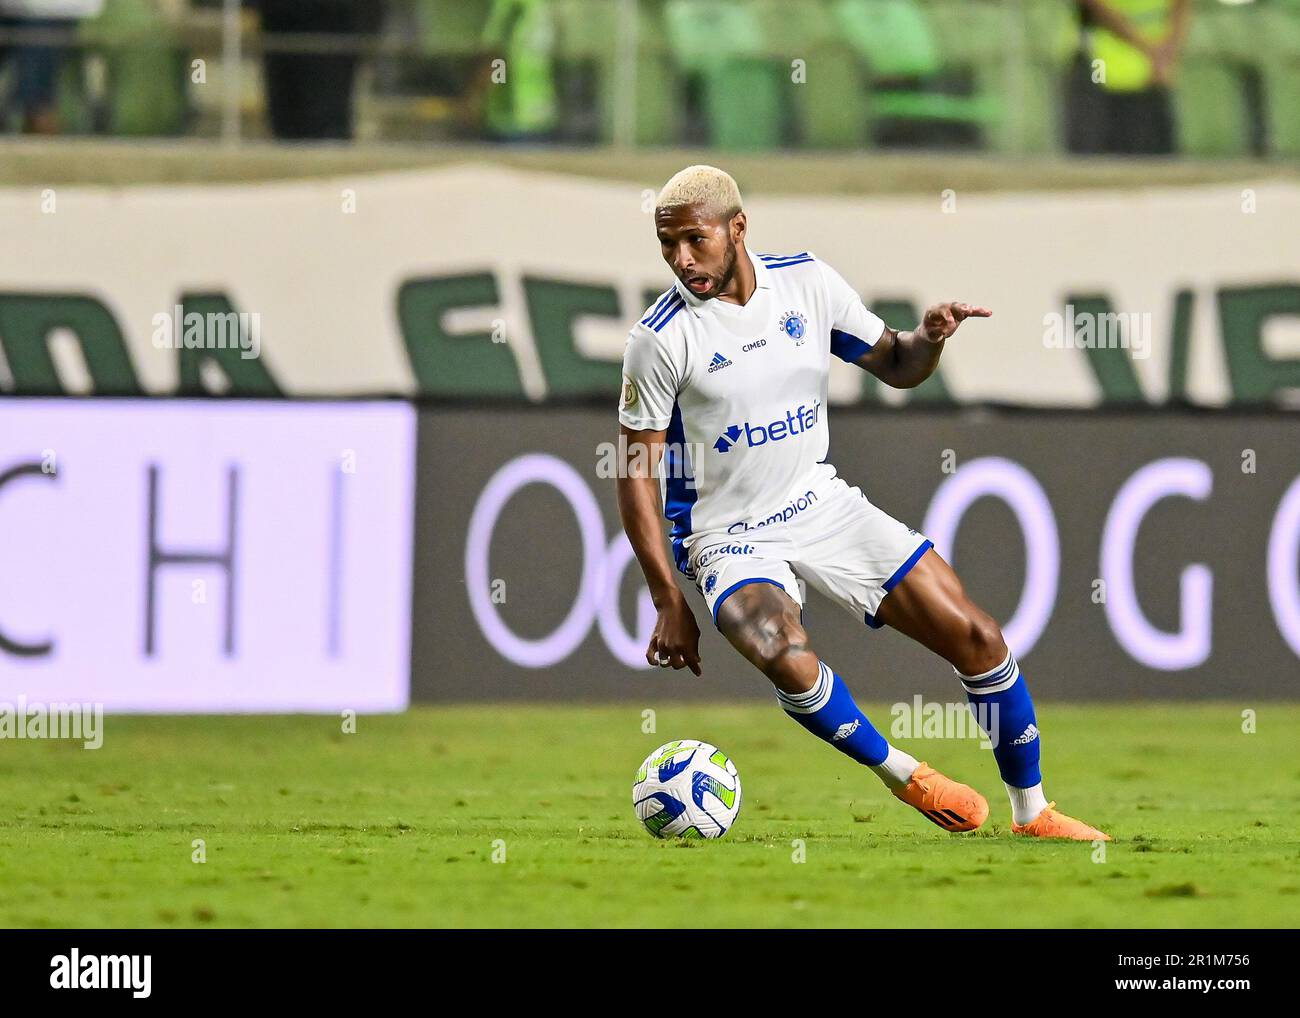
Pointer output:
x,y
906,567
897,577
736,586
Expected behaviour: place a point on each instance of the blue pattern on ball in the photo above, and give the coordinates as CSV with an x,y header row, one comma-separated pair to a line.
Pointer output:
x,y
670,770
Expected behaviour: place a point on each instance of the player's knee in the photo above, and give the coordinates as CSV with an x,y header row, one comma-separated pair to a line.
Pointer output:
x,y
791,668
781,652
982,648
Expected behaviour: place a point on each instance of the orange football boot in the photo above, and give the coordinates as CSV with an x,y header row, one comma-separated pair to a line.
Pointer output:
x,y
950,804
1051,824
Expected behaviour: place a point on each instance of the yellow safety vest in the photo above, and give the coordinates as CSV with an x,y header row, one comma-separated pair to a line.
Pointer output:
x,y
1127,68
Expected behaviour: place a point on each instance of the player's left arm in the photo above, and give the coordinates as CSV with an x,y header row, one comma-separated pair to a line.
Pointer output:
x,y
904,360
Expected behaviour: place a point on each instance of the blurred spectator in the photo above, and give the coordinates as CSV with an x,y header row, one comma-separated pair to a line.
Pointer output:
x,y
35,67
1119,97
515,93
309,95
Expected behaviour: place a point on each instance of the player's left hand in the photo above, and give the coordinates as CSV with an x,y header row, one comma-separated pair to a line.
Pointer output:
x,y
941,320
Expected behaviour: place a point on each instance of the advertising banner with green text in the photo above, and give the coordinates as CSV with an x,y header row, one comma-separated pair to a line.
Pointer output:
x,y
480,281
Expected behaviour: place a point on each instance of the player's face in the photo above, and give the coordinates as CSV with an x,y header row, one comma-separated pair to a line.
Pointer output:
x,y
701,251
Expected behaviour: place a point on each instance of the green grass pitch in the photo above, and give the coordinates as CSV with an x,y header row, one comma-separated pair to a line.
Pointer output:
x,y
396,825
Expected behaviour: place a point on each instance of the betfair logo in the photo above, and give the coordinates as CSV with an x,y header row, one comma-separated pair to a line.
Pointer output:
x,y
795,422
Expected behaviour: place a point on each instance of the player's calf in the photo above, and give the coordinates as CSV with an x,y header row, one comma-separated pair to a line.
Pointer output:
x,y
1000,701
980,645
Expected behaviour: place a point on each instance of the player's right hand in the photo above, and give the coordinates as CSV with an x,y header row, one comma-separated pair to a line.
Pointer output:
x,y
675,642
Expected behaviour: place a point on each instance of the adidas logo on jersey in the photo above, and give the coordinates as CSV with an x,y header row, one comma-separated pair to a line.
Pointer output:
x,y
845,730
718,363
1027,736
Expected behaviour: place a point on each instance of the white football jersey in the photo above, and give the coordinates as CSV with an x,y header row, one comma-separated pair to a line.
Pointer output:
x,y
741,392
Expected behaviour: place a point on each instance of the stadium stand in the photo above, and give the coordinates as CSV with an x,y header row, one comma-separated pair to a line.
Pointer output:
x,y
985,75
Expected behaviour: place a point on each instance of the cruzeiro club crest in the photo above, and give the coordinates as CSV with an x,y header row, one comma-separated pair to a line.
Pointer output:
x,y
794,325
710,582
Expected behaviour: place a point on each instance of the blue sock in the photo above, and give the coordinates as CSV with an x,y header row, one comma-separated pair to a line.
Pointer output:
x,y
1002,705
828,711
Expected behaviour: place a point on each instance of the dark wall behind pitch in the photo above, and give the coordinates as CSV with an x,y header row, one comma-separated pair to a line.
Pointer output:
x,y
1080,461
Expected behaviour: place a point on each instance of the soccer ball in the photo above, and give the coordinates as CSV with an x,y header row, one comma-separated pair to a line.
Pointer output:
x,y
687,789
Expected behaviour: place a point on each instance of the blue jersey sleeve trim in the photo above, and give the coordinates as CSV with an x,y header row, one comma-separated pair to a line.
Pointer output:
x,y
659,306
681,491
848,347
665,319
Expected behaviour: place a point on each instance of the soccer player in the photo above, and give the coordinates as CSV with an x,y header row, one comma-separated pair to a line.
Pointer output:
x,y
725,378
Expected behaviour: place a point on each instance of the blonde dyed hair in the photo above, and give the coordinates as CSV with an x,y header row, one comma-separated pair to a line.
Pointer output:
x,y
714,190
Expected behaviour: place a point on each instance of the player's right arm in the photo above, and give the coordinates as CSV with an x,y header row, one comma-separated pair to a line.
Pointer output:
x,y
653,368
676,637
902,360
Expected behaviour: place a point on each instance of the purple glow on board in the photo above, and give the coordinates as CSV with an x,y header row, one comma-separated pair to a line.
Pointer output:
x,y
1189,646
997,477
535,468
1284,566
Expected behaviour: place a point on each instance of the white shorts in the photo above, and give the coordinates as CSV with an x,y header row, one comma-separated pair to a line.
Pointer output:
x,y
848,549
